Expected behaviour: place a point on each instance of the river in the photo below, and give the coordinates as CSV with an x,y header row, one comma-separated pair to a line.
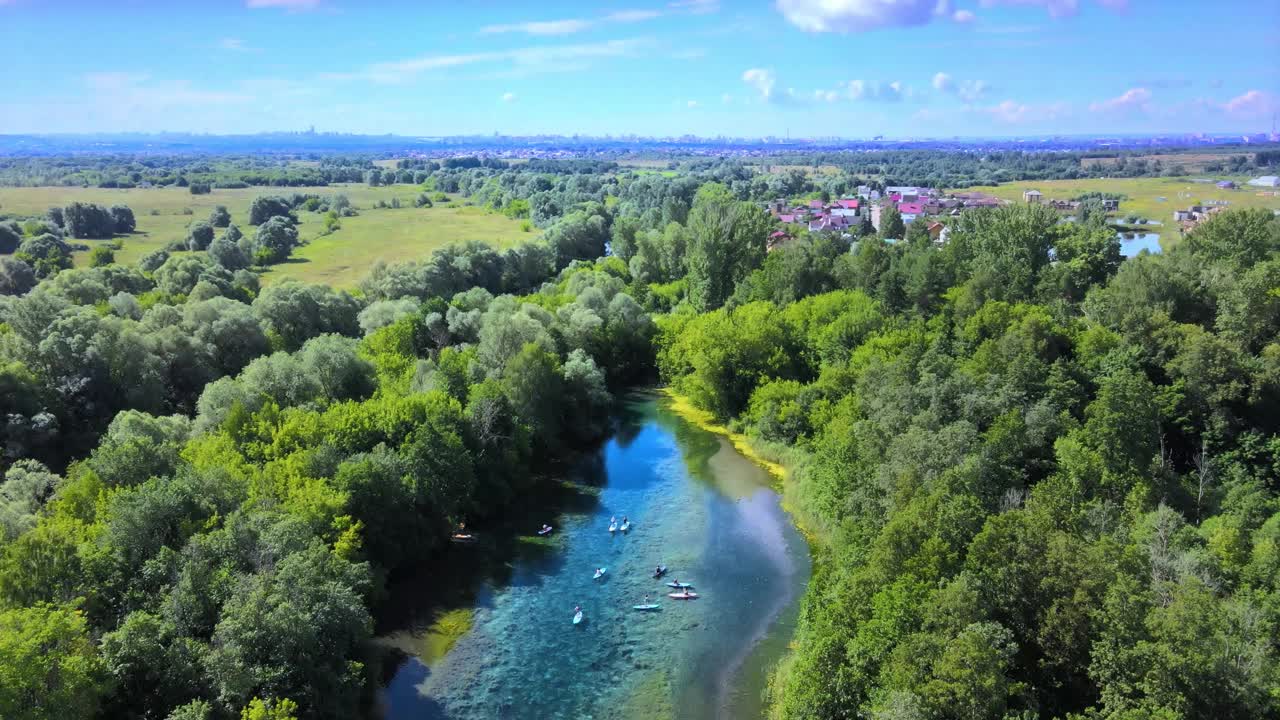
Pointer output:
x,y
696,505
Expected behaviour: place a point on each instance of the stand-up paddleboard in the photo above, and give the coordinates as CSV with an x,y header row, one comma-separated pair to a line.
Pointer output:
x,y
625,526
686,595
662,570
577,618
680,585
546,530
613,527
600,573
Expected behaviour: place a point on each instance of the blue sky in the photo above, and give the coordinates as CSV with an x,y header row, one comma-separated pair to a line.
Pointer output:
x,y
849,68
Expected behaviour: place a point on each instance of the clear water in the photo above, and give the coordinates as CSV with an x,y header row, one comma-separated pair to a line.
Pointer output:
x,y
697,506
1133,243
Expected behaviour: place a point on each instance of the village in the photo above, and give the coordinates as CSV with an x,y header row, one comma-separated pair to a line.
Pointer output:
x,y
863,213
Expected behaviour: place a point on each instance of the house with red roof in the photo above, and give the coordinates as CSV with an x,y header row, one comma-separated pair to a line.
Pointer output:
x,y
848,204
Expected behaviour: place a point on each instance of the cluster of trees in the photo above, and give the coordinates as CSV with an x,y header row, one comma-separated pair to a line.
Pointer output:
x,y
199,173
206,486
1045,480
37,249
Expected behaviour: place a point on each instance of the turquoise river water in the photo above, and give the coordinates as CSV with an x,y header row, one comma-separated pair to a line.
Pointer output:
x,y
697,506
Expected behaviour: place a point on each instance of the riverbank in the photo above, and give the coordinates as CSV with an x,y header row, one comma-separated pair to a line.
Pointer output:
x,y
782,472
775,677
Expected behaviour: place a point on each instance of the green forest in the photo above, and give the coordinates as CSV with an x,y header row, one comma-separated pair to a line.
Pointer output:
x,y
1041,481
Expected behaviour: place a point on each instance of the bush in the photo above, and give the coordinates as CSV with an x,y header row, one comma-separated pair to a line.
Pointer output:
x,y
265,207
89,220
10,237
123,218
200,188
220,217
101,255
199,236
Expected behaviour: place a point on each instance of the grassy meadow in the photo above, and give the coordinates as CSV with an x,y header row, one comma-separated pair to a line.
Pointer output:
x,y
340,259
1143,193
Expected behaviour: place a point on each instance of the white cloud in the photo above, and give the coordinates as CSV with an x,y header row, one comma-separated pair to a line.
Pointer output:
x,y
972,90
1012,112
508,97
286,4
692,103
762,80
868,90
967,90
1254,103
726,98
1133,99
525,60
962,16
846,16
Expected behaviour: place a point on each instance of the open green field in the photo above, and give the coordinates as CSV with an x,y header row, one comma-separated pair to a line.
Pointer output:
x,y
341,258
1144,193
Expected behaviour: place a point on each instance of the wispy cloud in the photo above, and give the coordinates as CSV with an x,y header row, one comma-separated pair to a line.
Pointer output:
x,y
1011,112
294,5
138,91
508,97
545,27
856,16
692,104
626,16
851,16
1060,8
569,26
525,60
234,45
1132,99
696,7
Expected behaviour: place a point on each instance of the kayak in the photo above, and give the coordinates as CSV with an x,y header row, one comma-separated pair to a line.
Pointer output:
x,y
662,570
683,596
680,585
545,531
625,526
653,606
463,537
577,618
600,573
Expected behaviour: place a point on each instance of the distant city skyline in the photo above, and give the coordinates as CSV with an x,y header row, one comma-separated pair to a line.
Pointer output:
x,y
654,68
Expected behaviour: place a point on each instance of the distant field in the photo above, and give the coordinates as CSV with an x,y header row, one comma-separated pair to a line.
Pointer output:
x,y
341,259
1143,193
1192,161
